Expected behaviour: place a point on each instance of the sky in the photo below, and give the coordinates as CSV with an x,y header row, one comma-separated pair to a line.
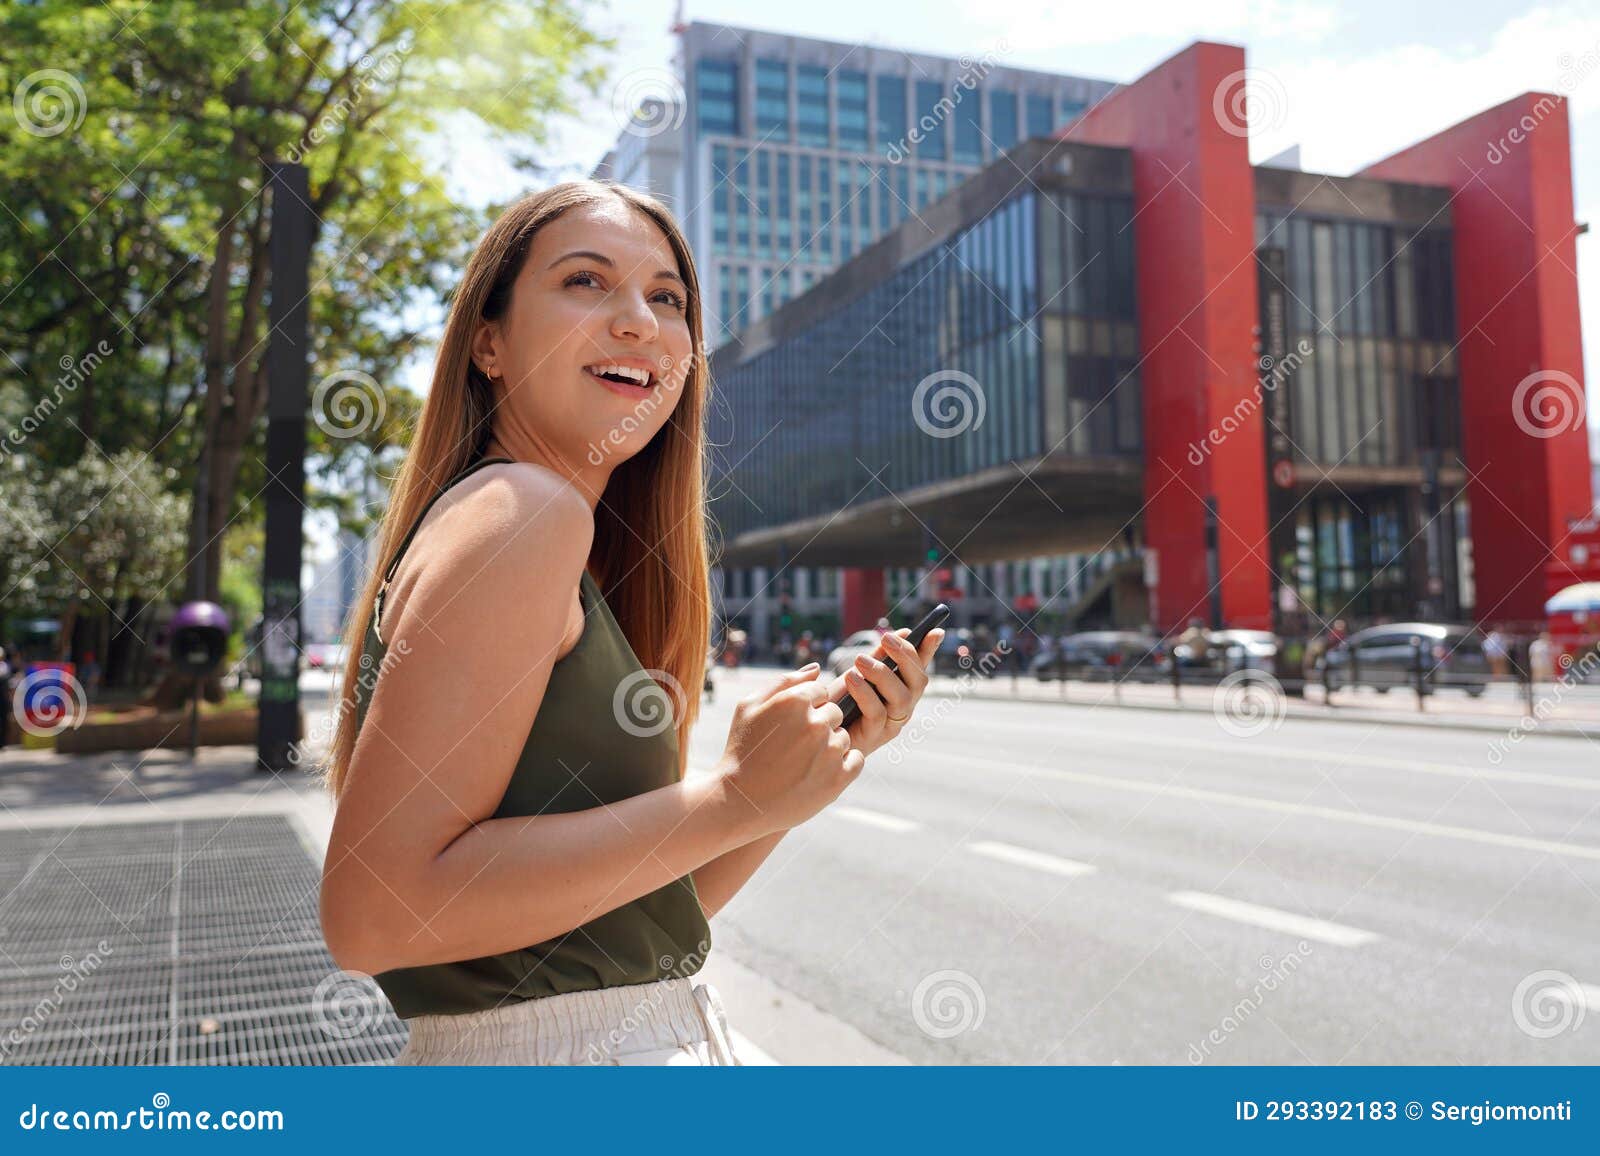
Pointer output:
x,y
1349,83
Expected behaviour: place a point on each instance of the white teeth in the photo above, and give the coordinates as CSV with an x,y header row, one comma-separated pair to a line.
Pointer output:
x,y
637,376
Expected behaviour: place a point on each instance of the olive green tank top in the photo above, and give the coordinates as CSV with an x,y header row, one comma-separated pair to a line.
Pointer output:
x,y
593,741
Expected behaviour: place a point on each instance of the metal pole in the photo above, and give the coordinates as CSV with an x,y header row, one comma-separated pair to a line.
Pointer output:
x,y
288,371
1213,563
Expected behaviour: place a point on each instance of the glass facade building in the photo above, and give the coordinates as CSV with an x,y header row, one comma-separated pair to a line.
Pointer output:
x,y
1373,407
1033,301
1024,306
790,155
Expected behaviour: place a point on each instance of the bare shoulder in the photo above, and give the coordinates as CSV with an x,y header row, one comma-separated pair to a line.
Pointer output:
x,y
512,530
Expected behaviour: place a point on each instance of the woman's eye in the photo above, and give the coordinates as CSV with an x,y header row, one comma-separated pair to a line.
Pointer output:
x,y
674,299
583,278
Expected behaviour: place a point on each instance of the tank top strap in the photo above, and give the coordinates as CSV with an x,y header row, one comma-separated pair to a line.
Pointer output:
x,y
394,563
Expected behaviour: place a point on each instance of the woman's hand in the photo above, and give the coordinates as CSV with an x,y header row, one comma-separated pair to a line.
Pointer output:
x,y
787,757
885,712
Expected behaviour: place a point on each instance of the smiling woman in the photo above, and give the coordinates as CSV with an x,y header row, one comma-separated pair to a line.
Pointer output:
x,y
519,853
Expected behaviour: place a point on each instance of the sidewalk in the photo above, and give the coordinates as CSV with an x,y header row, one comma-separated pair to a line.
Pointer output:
x,y
1562,710
158,911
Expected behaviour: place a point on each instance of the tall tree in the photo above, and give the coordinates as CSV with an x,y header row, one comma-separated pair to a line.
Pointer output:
x,y
136,222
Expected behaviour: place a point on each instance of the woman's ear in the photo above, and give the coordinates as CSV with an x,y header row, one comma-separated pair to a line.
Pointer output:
x,y
486,350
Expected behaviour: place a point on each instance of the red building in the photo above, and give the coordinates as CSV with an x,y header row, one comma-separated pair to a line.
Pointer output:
x,y
1523,434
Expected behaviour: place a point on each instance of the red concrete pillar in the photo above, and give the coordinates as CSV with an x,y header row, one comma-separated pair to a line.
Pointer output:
x,y
1523,427
1194,241
864,601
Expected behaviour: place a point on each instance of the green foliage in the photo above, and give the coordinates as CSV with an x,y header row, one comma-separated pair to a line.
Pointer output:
x,y
133,245
97,532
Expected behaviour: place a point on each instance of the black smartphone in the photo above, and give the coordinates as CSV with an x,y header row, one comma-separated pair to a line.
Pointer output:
x,y
935,618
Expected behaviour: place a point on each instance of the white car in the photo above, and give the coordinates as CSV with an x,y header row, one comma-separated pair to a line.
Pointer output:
x,y
1256,649
843,656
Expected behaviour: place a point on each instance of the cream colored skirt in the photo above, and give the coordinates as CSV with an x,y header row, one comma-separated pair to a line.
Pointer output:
x,y
672,1021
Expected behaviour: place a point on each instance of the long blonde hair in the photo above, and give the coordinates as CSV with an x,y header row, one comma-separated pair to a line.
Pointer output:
x,y
650,553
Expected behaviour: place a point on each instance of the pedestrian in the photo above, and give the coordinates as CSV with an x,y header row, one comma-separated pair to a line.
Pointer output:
x,y
1496,652
1541,663
520,855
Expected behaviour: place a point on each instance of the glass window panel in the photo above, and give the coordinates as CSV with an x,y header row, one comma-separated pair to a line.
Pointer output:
x,y
772,99
1041,119
969,134
811,105
1003,119
931,119
850,90
717,96
891,117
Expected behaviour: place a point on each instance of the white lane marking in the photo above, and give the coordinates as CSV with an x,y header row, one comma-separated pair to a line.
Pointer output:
x,y
1025,857
1300,756
874,819
1273,919
1335,814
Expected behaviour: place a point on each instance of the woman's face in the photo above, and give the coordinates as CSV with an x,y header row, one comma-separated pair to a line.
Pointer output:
x,y
600,288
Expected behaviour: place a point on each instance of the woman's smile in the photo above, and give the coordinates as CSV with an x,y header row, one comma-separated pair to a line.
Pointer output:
x,y
632,377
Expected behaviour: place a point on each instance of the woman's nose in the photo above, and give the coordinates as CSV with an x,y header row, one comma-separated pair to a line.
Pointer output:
x,y
634,319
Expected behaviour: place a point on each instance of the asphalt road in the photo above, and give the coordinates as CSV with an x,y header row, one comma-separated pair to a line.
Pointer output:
x,y
1037,883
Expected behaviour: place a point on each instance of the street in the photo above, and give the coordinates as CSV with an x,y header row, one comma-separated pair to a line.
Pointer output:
x,y
1130,886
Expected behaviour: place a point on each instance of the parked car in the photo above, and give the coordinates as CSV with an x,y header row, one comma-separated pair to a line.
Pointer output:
x,y
1383,657
1232,650
1102,654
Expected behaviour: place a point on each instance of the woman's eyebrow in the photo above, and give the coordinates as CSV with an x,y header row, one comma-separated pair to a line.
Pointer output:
x,y
602,259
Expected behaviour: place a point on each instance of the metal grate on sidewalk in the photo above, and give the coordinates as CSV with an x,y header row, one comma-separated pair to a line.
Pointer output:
x,y
213,950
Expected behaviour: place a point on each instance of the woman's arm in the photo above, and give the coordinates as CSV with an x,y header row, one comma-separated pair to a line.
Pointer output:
x,y
723,877
896,692
417,870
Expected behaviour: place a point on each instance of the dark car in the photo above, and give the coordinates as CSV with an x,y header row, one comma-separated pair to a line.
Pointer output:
x,y
1384,657
1102,654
